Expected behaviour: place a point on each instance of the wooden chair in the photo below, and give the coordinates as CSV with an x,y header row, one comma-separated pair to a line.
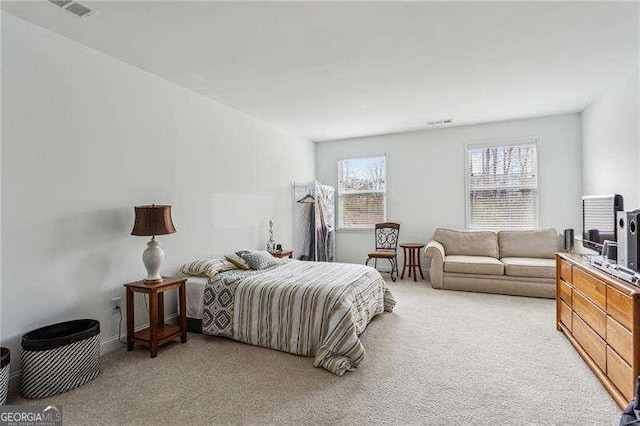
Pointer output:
x,y
386,235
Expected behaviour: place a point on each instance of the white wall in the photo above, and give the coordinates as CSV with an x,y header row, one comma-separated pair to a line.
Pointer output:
x,y
425,176
611,143
84,139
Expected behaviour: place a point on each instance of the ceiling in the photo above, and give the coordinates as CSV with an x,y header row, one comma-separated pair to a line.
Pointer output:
x,y
331,70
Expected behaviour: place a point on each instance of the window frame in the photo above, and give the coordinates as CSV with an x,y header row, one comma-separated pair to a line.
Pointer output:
x,y
340,226
499,143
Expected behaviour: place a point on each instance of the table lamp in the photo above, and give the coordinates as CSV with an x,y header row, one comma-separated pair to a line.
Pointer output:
x,y
151,221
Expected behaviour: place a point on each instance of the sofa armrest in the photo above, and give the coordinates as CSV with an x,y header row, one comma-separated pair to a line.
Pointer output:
x,y
435,251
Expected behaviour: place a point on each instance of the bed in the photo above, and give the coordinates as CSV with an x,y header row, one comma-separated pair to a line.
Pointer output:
x,y
314,309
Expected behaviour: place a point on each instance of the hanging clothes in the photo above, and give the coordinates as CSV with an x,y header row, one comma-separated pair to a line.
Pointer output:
x,y
314,226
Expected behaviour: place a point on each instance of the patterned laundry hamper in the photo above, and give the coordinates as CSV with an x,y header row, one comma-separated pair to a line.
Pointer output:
x,y
631,414
60,357
5,359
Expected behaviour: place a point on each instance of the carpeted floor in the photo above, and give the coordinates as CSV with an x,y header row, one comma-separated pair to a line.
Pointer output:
x,y
442,357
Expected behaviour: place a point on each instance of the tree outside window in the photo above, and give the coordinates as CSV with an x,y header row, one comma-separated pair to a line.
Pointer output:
x,y
361,192
502,186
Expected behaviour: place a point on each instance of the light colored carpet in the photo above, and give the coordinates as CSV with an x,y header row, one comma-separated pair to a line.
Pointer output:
x,y
442,357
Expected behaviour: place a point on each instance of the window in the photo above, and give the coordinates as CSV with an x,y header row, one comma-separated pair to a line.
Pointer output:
x,y
502,186
361,192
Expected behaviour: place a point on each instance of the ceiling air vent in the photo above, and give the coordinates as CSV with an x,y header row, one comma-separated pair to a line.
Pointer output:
x,y
439,122
73,7
60,3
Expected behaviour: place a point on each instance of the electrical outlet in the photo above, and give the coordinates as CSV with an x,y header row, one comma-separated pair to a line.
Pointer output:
x,y
115,304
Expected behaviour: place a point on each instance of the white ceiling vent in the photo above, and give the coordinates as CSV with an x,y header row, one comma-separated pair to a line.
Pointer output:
x,y
73,7
439,122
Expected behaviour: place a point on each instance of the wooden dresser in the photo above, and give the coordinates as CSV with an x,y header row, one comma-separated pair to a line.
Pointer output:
x,y
600,315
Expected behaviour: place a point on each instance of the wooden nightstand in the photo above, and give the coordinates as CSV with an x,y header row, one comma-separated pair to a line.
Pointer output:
x,y
158,332
282,253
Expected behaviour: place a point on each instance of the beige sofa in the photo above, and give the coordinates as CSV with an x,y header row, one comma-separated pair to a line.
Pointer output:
x,y
520,263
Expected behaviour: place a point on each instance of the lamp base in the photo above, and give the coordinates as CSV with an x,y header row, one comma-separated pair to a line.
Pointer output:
x,y
156,281
152,258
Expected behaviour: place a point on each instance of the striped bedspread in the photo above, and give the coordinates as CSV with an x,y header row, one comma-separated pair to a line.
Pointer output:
x,y
304,308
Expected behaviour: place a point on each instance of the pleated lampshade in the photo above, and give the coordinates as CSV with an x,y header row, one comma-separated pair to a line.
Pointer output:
x,y
153,220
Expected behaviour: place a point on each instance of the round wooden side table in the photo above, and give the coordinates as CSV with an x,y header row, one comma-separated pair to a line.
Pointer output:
x,y
411,253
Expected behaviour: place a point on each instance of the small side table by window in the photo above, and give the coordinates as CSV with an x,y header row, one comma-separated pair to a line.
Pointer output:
x,y
158,332
282,253
412,259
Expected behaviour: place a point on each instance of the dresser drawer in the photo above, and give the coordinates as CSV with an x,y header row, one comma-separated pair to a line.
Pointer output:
x,y
620,339
620,373
565,292
565,314
620,306
590,313
594,289
565,270
590,342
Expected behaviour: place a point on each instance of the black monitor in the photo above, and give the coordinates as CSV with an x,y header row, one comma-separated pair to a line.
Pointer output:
x,y
599,219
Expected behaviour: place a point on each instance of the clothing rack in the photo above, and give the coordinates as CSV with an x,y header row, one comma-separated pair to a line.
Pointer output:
x,y
314,221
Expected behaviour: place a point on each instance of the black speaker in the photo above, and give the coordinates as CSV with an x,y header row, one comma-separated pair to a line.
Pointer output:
x,y
621,235
633,239
568,240
610,251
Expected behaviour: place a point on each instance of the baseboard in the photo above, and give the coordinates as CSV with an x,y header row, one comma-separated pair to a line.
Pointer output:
x,y
112,343
107,345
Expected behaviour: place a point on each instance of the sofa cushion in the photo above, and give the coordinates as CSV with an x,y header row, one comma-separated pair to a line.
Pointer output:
x,y
541,243
529,267
480,265
468,243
